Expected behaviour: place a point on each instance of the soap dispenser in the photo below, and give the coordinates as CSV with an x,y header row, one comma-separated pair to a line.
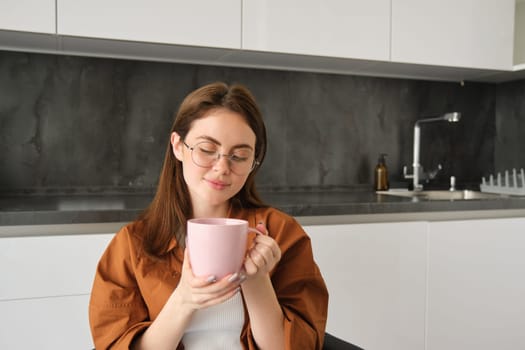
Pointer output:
x,y
381,174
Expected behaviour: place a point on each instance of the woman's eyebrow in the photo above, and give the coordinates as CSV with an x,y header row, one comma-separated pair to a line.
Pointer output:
x,y
208,138
213,140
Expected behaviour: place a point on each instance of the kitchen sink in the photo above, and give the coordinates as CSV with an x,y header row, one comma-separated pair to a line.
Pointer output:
x,y
441,195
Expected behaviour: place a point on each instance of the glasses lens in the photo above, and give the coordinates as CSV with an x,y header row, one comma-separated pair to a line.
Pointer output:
x,y
205,154
241,161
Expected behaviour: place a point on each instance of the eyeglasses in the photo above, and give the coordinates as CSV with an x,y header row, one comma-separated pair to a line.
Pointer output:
x,y
205,154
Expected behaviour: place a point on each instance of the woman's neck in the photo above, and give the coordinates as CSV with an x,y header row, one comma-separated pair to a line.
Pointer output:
x,y
221,211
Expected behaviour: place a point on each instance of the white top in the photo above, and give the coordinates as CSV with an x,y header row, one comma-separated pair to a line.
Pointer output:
x,y
217,327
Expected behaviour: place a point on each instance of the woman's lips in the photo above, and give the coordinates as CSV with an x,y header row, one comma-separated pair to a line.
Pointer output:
x,y
218,185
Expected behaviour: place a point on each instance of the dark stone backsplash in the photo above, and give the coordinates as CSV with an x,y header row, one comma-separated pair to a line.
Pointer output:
x,y
510,126
70,123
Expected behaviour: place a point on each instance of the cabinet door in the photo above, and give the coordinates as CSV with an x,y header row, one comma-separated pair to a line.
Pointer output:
x,y
56,323
28,15
194,23
45,288
519,34
476,285
337,28
375,275
47,266
460,33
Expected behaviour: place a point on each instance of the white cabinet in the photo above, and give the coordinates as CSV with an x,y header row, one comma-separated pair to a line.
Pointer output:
x,y
33,267
454,33
54,323
36,16
476,285
376,276
519,34
437,40
400,286
458,33
425,285
206,23
45,288
336,28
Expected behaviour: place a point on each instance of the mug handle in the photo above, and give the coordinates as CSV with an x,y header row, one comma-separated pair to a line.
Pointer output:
x,y
250,229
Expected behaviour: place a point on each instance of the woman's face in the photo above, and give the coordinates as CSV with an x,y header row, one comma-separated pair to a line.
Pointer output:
x,y
225,132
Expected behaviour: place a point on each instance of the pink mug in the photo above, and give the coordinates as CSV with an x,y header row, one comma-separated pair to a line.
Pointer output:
x,y
217,246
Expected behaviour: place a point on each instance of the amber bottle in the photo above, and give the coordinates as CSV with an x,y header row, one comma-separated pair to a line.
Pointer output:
x,y
381,174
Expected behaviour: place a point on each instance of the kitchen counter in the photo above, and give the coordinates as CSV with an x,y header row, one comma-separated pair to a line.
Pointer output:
x,y
310,206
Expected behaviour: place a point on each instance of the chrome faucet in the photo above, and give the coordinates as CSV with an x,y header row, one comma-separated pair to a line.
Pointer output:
x,y
417,169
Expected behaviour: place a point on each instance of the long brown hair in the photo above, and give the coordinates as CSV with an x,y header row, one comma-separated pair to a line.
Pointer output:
x,y
166,216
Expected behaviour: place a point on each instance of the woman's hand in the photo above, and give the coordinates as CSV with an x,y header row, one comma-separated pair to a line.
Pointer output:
x,y
199,292
263,256
192,293
264,310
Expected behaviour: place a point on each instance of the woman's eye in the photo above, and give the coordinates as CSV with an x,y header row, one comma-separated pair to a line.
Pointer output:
x,y
237,158
207,150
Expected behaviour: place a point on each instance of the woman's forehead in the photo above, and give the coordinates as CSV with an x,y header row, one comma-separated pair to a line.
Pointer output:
x,y
222,126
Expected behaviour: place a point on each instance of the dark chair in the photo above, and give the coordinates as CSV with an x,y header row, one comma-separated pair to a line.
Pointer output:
x,y
334,343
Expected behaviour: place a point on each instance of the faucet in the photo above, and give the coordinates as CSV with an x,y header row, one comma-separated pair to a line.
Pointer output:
x,y
417,169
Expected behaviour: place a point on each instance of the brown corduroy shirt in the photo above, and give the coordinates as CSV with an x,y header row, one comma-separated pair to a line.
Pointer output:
x,y
130,288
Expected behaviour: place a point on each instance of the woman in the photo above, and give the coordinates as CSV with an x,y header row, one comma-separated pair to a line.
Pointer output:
x,y
145,295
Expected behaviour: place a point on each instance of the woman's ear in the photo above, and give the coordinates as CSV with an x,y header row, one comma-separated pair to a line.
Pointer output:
x,y
176,145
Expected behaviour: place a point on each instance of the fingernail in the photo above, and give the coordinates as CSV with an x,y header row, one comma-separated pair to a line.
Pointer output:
x,y
233,277
242,278
211,279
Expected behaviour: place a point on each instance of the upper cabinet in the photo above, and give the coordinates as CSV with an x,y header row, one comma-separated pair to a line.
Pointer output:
x,y
519,34
357,29
450,40
206,23
457,33
37,16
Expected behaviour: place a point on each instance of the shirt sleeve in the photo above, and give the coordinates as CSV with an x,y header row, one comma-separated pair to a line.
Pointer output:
x,y
117,312
299,286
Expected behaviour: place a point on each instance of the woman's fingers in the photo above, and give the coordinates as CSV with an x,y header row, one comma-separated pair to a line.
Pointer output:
x,y
269,242
205,291
268,249
217,292
257,255
261,228
263,256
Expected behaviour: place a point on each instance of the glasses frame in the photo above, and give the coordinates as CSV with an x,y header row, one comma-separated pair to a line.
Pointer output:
x,y
229,157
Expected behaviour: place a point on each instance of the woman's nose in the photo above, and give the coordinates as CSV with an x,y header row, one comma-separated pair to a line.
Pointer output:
x,y
222,163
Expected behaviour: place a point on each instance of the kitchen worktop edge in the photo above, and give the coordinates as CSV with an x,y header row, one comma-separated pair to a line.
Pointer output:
x,y
57,209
